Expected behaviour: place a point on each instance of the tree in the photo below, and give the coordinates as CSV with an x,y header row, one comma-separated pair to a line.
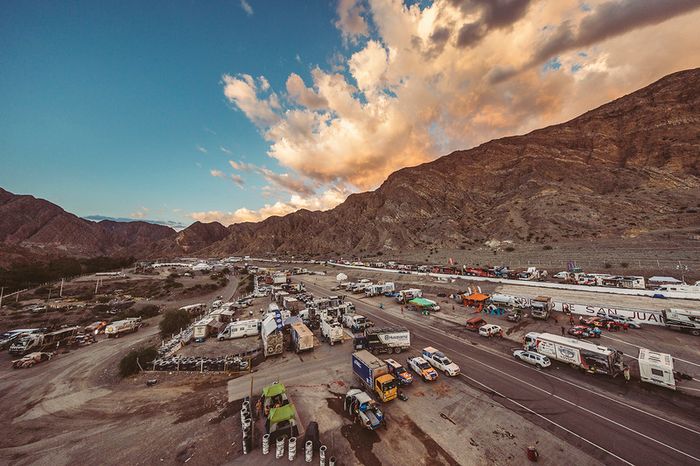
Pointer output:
x,y
174,320
128,364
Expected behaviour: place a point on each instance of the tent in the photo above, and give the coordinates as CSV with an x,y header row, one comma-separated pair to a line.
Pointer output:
x,y
273,390
281,413
422,302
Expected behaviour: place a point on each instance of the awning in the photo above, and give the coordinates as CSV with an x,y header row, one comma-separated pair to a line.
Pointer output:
x,y
282,413
422,302
273,390
476,297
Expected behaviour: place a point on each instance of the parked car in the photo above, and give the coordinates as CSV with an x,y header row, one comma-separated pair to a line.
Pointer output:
x,y
490,330
582,331
531,357
30,360
475,323
624,320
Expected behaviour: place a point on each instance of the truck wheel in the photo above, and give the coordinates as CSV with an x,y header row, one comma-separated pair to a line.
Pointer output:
x,y
695,332
397,350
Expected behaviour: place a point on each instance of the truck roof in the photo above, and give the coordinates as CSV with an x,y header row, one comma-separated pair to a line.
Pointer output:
x,y
369,359
573,342
656,358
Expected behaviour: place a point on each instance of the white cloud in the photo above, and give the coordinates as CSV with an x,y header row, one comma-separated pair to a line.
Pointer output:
x,y
217,173
225,150
351,23
140,213
246,7
201,149
326,200
237,179
242,91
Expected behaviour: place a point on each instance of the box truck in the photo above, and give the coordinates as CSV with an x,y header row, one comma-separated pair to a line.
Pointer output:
x,y
302,338
374,374
578,353
383,340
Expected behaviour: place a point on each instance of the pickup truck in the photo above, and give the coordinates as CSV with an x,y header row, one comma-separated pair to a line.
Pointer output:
x,y
440,362
421,367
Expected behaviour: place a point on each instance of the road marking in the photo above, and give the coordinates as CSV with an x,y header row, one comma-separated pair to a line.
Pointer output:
x,y
452,337
548,420
632,344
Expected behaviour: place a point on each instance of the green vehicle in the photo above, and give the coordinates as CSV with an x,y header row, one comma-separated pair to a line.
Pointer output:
x,y
280,413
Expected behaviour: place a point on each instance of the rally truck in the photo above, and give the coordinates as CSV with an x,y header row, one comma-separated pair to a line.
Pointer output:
x,y
332,332
363,409
421,367
374,374
383,340
440,362
403,377
577,353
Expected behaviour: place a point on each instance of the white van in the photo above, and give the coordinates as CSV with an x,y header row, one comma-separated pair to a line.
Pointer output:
x,y
243,328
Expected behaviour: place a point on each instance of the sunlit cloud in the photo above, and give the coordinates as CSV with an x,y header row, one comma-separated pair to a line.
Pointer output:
x,y
140,213
201,149
225,150
246,7
420,81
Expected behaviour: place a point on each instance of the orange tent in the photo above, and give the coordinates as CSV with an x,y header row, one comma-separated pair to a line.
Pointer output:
x,y
475,299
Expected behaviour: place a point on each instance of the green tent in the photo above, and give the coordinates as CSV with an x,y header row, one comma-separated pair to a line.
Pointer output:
x,y
273,390
283,413
422,302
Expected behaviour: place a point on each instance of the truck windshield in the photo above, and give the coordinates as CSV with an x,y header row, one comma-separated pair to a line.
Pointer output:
x,y
386,386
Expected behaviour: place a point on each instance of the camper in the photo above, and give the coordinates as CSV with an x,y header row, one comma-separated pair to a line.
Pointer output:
x,y
656,368
240,329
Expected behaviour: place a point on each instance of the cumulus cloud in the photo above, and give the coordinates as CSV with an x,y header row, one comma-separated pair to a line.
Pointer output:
x,y
351,23
609,19
324,201
426,80
246,7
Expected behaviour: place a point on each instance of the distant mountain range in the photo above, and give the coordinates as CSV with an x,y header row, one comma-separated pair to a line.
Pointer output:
x,y
177,226
627,168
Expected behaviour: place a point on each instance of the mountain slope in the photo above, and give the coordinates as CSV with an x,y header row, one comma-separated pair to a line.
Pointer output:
x,y
36,227
623,169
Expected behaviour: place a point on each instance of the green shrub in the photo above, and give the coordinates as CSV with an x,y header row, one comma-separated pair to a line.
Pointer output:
x,y
510,249
129,365
174,320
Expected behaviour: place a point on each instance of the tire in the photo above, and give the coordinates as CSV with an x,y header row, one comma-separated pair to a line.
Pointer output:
x,y
397,350
695,332
539,366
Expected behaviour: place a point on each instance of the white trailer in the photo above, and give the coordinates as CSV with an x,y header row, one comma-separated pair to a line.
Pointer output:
x,y
578,353
656,368
201,329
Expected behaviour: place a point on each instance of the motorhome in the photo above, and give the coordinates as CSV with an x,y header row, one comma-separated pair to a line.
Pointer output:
x,y
656,368
240,329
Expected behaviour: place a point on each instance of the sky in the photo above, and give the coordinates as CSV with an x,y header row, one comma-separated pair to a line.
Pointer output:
x,y
233,111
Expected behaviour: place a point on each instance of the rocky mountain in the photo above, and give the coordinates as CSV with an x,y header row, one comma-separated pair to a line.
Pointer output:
x,y
625,169
34,228
629,167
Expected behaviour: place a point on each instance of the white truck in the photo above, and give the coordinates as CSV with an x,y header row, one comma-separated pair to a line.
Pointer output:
x,y
405,296
682,320
383,340
578,353
240,329
121,327
379,289
439,361
332,332
37,341
356,322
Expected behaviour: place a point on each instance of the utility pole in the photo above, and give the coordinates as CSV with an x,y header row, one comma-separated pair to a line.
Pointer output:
x,y
60,293
2,292
252,416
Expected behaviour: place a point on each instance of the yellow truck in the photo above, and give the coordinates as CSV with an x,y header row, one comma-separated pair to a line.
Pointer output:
x,y
374,374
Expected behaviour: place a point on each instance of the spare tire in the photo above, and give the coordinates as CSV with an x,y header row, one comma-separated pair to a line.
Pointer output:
x,y
312,434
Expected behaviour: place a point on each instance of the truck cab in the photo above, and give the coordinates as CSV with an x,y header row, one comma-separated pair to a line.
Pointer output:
x,y
399,372
363,408
542,306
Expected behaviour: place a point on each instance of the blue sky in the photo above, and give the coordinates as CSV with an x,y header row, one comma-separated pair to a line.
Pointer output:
x,y
103,104
122,108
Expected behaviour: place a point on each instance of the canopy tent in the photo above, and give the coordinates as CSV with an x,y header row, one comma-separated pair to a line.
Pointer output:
x,y
281,413
476,297
664,281
422,302
273,390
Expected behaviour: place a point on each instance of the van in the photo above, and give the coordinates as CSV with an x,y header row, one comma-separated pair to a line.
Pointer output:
x,y
243,328
474,323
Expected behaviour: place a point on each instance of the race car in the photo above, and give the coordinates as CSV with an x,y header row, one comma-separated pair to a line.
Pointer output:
x,y
582,331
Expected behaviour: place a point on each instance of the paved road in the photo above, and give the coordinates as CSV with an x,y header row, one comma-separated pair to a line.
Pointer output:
x,y
640,428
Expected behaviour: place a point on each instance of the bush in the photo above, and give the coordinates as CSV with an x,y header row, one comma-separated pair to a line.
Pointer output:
x,y
173,321
510,249
607,265
129,365
149,310
547,247
624,265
